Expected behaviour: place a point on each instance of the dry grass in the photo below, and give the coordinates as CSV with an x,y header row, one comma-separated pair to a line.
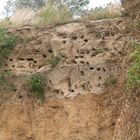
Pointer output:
x,y
110,11
50,15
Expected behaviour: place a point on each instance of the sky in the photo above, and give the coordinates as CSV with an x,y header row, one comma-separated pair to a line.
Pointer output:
x,y
93,4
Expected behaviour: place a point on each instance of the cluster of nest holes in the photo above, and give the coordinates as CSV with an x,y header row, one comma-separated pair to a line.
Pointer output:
x,y
22,59
85,86
73,37
92,53
31,59
65,36
64,56
89,86
36,51
82,73
92,68
120,52
98,69
71,90
103,34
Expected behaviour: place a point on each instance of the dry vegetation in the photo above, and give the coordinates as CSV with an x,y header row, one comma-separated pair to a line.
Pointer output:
x,y
50,15
110,11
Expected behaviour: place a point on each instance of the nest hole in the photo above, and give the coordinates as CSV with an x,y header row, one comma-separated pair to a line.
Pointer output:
x,y
11,59
91,68
98,69
44,56
99,77
30,59
64,42
82,62
85,40
50,50
82,73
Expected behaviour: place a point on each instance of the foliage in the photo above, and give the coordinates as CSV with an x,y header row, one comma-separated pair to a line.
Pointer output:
x,y
6,82
32,4
76,6
7,42
36,84
138,24
52,15
54,61
133,75
111,80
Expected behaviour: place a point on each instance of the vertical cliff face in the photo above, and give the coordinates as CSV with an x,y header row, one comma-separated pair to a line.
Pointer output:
x,y
85,92
85,97
88,55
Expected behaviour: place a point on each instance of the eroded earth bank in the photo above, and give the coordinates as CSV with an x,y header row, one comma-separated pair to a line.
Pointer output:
x,y
85,96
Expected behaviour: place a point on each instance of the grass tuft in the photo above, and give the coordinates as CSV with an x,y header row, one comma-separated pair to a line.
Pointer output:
x,y
53,15
6,82
54,61
36,84
110,81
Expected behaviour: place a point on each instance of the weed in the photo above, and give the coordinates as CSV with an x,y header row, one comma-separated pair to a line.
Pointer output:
x,y
111,80
138,24
54,61
36,84
100,50
133,74
6,81
98,34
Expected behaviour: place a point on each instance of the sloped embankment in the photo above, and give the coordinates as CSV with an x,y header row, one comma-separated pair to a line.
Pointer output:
x,y
84,93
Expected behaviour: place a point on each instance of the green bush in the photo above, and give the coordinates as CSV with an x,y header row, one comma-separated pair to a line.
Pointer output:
x,y
6,81
36,84
54,61
138,24
133,75
53,15
7,42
